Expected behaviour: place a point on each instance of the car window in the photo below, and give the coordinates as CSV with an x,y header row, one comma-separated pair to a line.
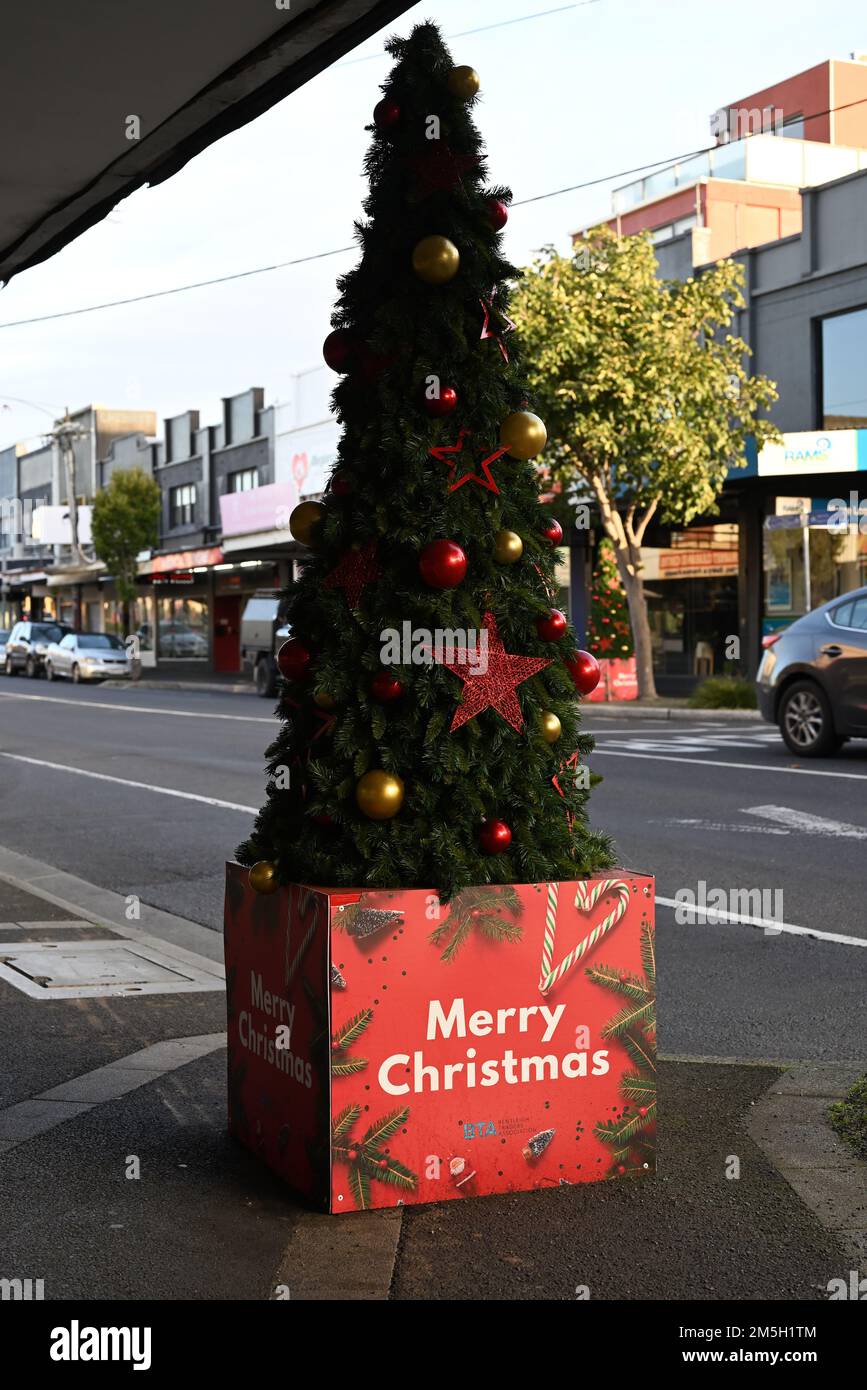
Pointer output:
x,y
858,616
68,641
104,640
46,632
4,636
840,616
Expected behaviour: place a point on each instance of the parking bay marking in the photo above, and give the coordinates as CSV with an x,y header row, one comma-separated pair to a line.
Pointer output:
x,y
141,786
135,709
717,762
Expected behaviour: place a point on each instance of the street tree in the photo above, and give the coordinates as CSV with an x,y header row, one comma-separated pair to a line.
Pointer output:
x,y
647,395
125,521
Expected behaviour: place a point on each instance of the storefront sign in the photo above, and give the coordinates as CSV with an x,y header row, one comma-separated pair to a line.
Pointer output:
x,y
262,509
826,451
182,560
697,564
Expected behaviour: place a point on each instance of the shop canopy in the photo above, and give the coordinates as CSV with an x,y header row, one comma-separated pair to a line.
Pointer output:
x,y
76,75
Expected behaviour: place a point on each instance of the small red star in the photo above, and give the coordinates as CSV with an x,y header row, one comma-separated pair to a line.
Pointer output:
x,y
439,168
490,307
448,454
355,570
497,688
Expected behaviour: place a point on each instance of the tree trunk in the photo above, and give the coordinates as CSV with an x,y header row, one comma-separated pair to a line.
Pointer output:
x,y
635,598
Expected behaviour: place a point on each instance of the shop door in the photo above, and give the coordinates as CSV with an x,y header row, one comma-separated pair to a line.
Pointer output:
x,y
227,633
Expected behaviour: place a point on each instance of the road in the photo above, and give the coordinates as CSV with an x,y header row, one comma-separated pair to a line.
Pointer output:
x,y
147,793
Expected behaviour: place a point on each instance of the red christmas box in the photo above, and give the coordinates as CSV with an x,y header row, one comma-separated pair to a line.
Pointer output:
x,y
387,1048
618,680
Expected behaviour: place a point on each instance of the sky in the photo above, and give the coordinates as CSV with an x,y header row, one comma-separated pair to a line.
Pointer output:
x,y
576,92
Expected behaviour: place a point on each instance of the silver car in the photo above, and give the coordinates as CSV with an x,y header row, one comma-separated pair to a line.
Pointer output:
x,y
87,656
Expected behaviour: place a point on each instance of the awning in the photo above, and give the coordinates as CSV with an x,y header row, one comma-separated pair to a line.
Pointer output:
x,y
182,560
99,99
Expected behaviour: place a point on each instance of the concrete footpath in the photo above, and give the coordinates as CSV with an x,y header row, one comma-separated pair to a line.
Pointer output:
x,y
112,1133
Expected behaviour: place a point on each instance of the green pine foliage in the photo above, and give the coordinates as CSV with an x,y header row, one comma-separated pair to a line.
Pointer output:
x,y
400,500
365,1157
609,631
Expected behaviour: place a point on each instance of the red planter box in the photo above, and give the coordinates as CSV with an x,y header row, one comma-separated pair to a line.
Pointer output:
x,y
618,680
385,1049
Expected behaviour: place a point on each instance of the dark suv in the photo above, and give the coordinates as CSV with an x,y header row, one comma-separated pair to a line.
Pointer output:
x,y
28,642
812,680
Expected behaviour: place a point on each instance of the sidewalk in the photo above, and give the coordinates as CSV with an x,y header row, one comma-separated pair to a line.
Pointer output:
x,y
92,1082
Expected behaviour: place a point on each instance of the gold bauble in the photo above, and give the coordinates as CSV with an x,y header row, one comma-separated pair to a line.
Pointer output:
x,y
508,547
305,521
523,434
324,699
379,795
435,260
263,877
550,726
464,82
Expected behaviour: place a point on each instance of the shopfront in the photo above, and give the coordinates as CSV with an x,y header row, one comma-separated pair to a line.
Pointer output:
x,y
691,588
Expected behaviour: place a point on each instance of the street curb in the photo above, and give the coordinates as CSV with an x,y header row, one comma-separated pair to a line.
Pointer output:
x,y
672,712
107,909
206,687
789,1124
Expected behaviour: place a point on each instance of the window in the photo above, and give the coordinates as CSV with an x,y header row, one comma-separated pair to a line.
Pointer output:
x,y
182,505
244,481
792,128
68,642
844,371
105,641
852,614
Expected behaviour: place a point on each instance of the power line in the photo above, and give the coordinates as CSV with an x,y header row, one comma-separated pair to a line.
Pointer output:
x,y
483,29
342,250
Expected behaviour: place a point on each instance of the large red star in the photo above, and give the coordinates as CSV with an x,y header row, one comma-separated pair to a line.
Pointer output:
x,y
355,570
449,453
497,688
490,307
439,168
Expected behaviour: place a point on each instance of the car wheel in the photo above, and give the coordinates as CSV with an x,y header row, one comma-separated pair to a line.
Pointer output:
x,y
9,668
76,674
49,671
30,668
806,722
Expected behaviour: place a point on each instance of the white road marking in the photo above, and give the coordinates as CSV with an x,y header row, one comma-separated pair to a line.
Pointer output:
x,y
717,914
716,762
721,825
127,782
135,709
806,823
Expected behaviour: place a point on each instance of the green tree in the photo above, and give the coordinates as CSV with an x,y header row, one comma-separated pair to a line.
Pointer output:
x,y
126,517
647,395
389,769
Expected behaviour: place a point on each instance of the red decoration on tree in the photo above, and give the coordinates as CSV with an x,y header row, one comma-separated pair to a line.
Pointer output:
x,y
341,483
386,688
552,531
494,836
442,564
498,213
338,349
439,168
497,688
386,115
609,631
443,404
354,572
323,819
508,325
584,670
293,660
371,365
552,627
449,454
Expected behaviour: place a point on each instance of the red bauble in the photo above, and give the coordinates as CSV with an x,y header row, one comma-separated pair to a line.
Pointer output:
x,y
386,114
498,214
293,660
338,349
371,365
322,819
584,670
553,531
494,836
442,564
642,1110
552,628
386,688
443,404
341,483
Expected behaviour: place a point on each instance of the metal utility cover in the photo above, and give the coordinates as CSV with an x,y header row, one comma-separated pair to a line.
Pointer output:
x,y
98,969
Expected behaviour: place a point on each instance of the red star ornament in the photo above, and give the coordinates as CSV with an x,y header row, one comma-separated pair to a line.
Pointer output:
x,y
490,307
439,168
497,688
355,570
449,454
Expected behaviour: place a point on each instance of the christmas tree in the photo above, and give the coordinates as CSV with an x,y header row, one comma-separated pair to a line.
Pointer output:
x,y
428,705
609,633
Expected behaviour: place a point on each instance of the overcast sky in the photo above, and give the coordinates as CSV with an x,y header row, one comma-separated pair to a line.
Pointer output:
x,y
583,92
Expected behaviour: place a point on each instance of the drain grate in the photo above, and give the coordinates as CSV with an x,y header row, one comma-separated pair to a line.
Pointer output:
x,y
99,969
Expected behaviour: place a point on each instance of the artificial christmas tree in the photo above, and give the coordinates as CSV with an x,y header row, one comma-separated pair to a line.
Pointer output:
x,y
609,632
430,771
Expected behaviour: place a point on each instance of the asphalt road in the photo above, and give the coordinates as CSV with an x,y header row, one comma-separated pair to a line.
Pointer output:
x,y
172,779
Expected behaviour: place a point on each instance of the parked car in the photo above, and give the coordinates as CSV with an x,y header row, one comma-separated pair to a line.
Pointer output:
x,y
812,680
87,656
4,638
28,642
263,632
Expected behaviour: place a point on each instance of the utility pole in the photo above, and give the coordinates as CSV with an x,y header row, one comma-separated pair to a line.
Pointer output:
x,y
65,434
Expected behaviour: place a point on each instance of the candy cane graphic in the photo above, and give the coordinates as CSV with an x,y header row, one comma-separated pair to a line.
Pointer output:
x,y
586,899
